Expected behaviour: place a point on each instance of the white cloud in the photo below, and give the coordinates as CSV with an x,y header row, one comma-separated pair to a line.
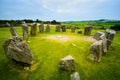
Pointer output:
x,y
66,6
69,6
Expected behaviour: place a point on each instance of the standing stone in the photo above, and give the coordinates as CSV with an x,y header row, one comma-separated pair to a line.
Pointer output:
x,y
15,48
41,27
97,35
96,51
12,30
73,29
57,28
63,28
75,76
48,28
101,36
110,36
88,30
104,44
80,31
33,29
67,63
25,30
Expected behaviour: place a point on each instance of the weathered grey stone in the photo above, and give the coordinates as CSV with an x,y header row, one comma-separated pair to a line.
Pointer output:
x,y
73,29
104,44
80,31
57,28
15,48
67,63
88,30
97,35
12,30
110,36
48,28
25,30
63,28
96,51
41,27
33,29
75,76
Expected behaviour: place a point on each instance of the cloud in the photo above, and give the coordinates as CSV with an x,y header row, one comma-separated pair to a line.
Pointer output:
x,y
70,6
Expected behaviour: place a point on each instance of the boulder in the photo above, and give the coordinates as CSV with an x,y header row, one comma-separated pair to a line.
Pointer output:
x,y
75,76
15,48
96,51
67,63
88,30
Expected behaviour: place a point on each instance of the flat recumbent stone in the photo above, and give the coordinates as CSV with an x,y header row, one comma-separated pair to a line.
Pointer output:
x,y
15,48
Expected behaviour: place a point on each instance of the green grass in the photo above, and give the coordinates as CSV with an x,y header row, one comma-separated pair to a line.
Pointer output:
x,y
47,54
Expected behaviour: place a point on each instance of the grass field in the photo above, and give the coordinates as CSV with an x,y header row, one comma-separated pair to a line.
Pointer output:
x,y
48,48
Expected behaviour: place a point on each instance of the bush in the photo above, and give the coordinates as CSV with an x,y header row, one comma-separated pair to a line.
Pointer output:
x,y
115,27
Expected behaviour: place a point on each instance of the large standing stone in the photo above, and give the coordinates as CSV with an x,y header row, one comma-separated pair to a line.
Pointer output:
x,y
41,27
104,43
63,28
33,29
97,35
101,36
25,30
75,76
67,63
73,29
88,30
15,48
12,30
57,28
96,51
48,28
110,36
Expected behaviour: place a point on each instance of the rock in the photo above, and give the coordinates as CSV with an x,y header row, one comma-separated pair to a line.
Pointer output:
x,y
12,30
57,28
15,48
73,29
109,33
48,28
25,30
75,76
88,30
97,35
104,44
79,31
96,51
41,28
33,29
63,28
67,63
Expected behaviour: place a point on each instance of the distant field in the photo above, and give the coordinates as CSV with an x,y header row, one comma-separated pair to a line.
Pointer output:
x,y
48,48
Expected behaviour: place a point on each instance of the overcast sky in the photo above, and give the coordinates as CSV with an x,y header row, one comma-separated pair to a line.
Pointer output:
x,y
60,10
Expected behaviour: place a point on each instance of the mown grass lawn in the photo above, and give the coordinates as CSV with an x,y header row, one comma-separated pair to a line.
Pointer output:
x,y
48,48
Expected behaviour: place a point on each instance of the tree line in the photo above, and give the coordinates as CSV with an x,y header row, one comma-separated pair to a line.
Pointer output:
x,y
19,22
